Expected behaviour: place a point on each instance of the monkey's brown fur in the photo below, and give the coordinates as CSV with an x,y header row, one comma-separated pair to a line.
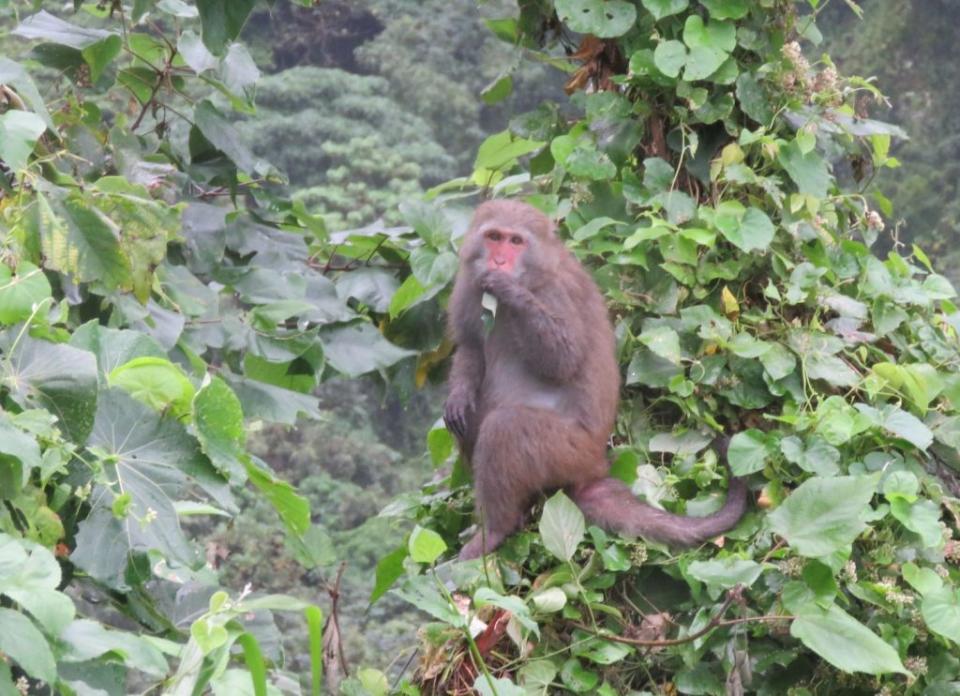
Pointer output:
x,y
533,402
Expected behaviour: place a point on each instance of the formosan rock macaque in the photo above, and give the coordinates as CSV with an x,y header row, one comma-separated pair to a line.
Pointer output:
x,y
533,399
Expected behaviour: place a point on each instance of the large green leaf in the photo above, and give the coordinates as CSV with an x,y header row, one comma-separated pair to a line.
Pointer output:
x,y
24,644
222,21
46,27
561,526
19,132
218,418
21,293
149,460
844,642
358,348
80,241
808,170
824,515
603,18
53,376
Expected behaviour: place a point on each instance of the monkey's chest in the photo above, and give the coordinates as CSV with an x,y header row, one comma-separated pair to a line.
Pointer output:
x,y
510,380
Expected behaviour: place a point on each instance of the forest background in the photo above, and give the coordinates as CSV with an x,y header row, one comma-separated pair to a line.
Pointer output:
x,y
365,105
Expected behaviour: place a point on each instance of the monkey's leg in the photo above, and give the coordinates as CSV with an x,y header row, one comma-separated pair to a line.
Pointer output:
x,y
519,452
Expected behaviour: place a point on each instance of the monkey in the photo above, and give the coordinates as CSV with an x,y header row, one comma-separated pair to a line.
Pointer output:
x,y
532,400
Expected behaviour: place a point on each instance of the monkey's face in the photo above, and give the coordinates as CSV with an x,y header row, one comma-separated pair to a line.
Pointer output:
x,y
504,249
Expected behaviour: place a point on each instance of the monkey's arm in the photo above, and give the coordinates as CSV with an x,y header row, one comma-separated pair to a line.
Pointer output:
x,y
466,375
550,331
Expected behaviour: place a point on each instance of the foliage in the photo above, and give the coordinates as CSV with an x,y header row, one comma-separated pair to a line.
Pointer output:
x,y
156,299
713,177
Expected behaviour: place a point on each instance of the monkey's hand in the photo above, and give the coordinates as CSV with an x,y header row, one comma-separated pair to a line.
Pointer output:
x,y
504,287
459,407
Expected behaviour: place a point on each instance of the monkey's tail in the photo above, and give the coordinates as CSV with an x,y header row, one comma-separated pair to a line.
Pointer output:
x,y
611,504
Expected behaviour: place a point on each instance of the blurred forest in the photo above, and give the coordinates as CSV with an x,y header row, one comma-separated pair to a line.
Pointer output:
x,y
365,103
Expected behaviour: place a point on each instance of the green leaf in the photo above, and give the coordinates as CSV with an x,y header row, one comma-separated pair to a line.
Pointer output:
x,y
99,55
46,27
218,418
664,8
809,171
602,18
512,603
844,642
292,507
425,545
19,132
754,232
921,517
80,241
669,57
816,455
722,574
498,90
222,21
710,45
24,644
576,678
726,9
824,515
157,382
88,640
500,150
748,452
778,361
496,686
752,99
358,348
389,570
21,292
941,612
561,526
53,376
222,134
663,341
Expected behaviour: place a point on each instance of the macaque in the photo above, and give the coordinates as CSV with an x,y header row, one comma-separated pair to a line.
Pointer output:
x,y
533,398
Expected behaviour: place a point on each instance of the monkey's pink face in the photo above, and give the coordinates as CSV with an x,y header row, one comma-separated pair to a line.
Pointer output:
x,y
504,249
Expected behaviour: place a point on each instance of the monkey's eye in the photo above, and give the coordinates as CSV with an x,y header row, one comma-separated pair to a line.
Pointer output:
x,y
494,236
516,239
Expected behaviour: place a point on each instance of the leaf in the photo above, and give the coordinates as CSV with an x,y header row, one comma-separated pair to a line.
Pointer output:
x,y
19,132
663,341
941,612
195,54
844,642
576,678
358,348
664,8
46,27
53,376
218,418
809,171
722,574
754,232
502,149
389,570
561,526
21,292
157,382
24,644
726,9
220,133
496,686
748,452
669,57
512,603
293,508
80,241
222,21
425,545
100,54
824,515
602,18
88,640
921,517
816,455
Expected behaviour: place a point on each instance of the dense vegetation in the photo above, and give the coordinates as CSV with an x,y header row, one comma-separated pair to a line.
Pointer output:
x,y
178,272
